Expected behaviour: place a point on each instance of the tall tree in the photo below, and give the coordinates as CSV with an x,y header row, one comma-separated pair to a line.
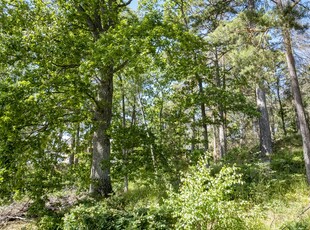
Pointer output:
x,y
263,120
286,10
101,17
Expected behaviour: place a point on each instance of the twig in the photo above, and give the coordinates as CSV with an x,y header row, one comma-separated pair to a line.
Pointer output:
x,y
303,212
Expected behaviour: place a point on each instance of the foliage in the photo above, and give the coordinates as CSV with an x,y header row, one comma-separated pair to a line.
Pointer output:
x,y
205,201
302,224
100,216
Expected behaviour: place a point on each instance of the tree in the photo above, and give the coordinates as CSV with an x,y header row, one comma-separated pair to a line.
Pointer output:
x,y
286,10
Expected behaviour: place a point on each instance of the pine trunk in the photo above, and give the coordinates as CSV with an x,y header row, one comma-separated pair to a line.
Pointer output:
x,y
303,125
264,125
204,117
282,114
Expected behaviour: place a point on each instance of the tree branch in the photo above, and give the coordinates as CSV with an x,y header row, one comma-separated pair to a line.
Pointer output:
x,y
125,3
121,66
91,24
68,66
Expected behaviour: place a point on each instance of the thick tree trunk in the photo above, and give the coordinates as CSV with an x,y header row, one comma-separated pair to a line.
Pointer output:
x,y
264,125
100,169
304,127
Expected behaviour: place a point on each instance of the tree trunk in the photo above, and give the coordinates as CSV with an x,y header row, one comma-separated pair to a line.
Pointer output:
x,y
193,139
72,155
264,125
204,116
222,129
304,127
222,140
148,134
282,115
75,146
100,169
124,150
216,152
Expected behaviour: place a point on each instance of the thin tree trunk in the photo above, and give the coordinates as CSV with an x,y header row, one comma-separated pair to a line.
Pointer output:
x,y
272,123
133,115
203,116
216,152
71,157
221,133
124,151
100,169
282,114
148,135
264,125
193,140
75,146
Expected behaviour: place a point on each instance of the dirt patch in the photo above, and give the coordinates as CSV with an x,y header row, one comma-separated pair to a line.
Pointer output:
x,y
13,216
18,225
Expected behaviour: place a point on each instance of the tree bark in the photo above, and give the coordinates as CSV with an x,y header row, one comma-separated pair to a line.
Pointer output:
x,y
203,116
75,146
216,152
264,125
100,169
303,124
222,129
148,134
124,150
282,114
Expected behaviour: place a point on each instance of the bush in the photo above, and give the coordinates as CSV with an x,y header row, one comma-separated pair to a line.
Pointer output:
x,y
102,217
50,222
297,225
205,201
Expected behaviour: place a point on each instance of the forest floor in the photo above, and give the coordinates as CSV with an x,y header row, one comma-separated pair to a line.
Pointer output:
x,y
14,216
283,198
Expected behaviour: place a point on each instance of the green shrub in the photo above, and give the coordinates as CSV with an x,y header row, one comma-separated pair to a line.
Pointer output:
x,y
297,225
205,201
100,216
50,222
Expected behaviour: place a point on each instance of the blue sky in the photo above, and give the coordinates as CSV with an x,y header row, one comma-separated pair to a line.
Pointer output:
x,y
134,4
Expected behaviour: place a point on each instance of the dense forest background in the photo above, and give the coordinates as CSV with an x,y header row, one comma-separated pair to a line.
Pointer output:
x,y
177,114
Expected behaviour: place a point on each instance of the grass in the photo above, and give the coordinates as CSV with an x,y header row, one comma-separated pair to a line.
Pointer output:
x,y
276,191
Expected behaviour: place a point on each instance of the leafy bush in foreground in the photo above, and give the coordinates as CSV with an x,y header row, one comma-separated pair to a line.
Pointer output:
x,y
206,201
100,217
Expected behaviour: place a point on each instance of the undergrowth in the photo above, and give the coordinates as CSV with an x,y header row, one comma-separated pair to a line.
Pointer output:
x,y
240,192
